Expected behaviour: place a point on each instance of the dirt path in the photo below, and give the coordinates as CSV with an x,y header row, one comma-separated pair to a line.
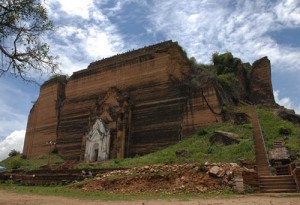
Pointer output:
x,y
28,199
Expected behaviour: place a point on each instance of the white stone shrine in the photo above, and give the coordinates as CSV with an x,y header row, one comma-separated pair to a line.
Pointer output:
x,y
97,143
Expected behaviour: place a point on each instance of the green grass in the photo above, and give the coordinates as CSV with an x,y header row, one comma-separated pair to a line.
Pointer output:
x,y
271,124
65,191
31,164
201,150
199,147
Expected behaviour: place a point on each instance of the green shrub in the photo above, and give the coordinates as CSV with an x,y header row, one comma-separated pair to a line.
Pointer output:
x,y
285,131
13,153
201,132
16,163
225,63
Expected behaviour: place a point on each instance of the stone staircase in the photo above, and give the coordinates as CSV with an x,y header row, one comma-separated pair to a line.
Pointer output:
x,y
262,161
277,184
267,182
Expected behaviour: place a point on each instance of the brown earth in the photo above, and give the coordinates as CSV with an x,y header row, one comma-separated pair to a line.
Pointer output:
x,y
169,179
20,199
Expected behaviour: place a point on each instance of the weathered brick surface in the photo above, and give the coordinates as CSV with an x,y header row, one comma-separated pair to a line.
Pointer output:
x,y
160,111
43,119
261,90
242,78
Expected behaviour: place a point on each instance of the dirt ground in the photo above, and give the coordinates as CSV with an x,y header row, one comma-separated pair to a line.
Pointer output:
x,y
169,179
29,199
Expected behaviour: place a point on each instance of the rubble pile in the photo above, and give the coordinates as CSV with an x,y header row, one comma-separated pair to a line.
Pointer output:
x,y
167,179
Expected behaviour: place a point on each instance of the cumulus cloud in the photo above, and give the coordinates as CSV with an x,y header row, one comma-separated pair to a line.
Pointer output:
x,y
285,101
15,140
288,11
83,34
77,7
242,27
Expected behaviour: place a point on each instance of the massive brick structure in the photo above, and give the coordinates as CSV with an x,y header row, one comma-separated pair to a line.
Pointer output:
x,y
261,90
128,104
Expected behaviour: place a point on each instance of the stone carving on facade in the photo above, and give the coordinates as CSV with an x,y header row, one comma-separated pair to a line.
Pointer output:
x,y
112,115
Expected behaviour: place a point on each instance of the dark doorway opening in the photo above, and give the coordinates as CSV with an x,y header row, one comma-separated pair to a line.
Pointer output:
x,y
96,155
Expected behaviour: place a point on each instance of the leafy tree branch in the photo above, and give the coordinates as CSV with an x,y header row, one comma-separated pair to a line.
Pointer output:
x,y
23,24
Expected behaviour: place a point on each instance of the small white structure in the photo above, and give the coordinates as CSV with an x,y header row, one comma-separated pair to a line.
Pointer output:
x,y
97,143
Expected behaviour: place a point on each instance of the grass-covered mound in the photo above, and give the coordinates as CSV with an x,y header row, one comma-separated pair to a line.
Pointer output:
x,y
275,129
198,147
200,150
18,162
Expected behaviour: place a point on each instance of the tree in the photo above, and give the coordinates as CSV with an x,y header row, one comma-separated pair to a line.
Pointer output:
x,y
23,24
225,63
13,153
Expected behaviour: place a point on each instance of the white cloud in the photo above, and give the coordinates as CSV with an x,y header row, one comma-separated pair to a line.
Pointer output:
x,y
205,27
241,27
84,34
15,140
98,44
286,102
288,11
77,7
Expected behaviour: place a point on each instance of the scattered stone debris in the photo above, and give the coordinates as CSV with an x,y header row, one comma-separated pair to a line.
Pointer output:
x,y
224,138
279,154
167,179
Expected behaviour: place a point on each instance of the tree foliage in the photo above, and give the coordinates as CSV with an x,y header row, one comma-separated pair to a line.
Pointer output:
x,y
13,153
225,63
222,73
200,74
23,24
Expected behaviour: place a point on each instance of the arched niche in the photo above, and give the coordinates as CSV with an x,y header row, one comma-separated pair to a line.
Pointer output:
x,y
115,110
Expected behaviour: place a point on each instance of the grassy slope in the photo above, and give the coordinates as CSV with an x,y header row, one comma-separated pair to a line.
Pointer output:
x,y
201,150
198,146
271,124
31,164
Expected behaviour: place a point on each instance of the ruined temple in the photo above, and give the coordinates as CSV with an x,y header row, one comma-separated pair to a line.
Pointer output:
x,y
130,104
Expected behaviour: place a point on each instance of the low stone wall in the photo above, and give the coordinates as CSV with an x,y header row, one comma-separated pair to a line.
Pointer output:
x,y
251,180
48,177
296,174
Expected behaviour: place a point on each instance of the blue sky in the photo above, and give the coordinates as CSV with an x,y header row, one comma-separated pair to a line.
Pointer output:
x,y
89,30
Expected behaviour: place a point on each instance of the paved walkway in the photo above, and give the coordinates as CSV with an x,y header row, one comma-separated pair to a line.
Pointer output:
x,y
30,199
